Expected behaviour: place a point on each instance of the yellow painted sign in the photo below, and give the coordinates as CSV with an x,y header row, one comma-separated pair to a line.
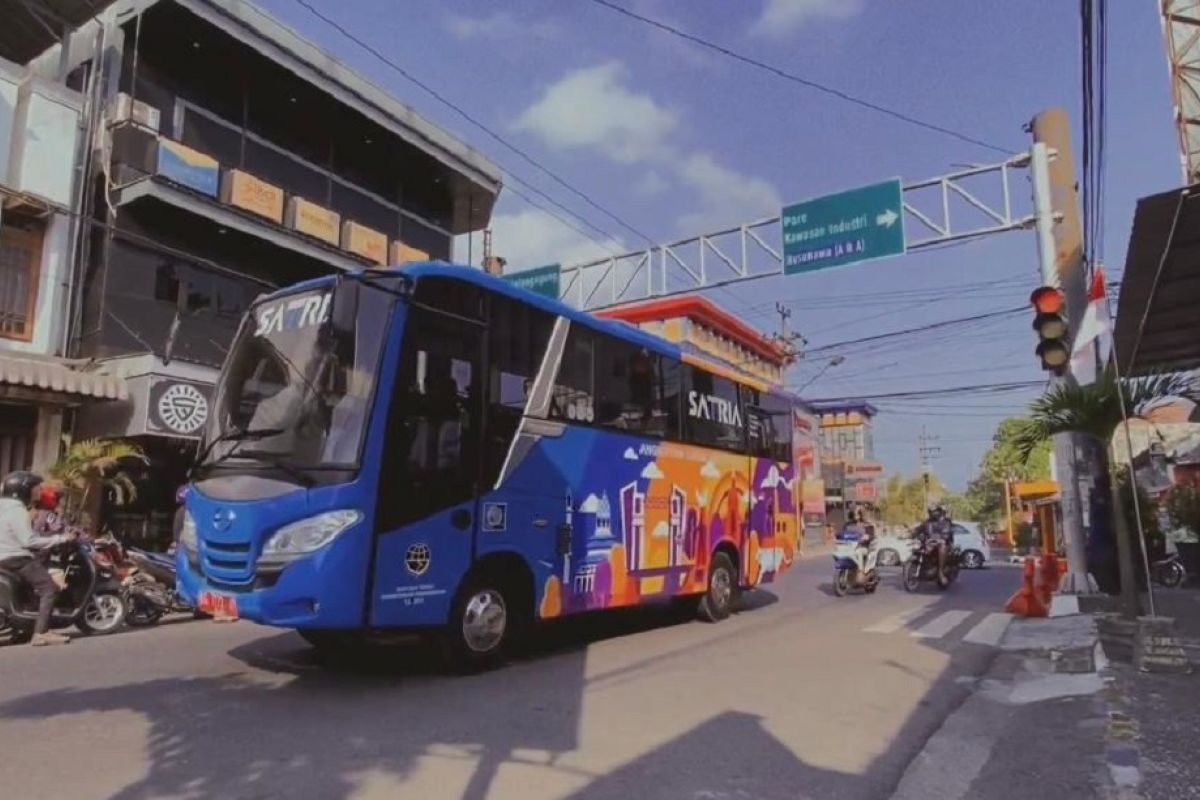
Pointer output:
x,y
366,242
403,253
317,221
247,192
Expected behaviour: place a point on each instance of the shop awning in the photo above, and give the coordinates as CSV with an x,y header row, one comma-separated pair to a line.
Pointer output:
x,y
1161,285
29,377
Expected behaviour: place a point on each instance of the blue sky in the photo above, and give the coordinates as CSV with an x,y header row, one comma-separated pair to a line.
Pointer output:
x,y
677,140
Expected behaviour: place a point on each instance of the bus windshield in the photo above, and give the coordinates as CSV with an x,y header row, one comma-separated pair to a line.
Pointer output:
x,y
295,394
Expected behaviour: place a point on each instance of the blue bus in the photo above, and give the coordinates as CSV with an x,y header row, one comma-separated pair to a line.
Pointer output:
x,y
432,449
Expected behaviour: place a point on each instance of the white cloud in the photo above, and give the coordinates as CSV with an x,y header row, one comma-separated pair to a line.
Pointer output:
x,y
652,472
783,17
725,195
591,108
650,184
532,238
498,26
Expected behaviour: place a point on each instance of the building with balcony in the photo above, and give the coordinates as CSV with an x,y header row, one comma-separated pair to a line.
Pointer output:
x,y
42,136
848,464
231,157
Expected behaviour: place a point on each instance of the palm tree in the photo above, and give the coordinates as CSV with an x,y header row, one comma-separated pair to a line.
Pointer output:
x,y
1095,411
90,467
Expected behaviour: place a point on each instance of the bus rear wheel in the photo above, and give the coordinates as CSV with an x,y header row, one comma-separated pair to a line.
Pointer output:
x,y
716,604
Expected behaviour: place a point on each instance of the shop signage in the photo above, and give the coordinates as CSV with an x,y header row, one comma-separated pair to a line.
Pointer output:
x,y
178,408
864,469
317,221
187,167
403,254
248,193
364,241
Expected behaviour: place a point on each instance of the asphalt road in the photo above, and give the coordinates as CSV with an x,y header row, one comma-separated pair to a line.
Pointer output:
x,y
802,695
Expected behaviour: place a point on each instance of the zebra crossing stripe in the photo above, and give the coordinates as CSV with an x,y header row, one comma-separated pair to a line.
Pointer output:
x,y
942,624
896,621
990,631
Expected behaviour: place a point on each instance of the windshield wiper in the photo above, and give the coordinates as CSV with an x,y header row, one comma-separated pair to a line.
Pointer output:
x,y
300,476
236,435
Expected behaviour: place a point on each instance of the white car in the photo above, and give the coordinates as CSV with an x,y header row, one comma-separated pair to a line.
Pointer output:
x,y
896,548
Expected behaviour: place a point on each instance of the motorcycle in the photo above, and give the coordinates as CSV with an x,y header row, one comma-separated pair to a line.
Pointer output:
x,y
846,573
150,589
1169,571
922,565
90,599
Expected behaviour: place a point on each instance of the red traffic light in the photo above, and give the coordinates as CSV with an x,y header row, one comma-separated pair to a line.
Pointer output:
x,y
1048,300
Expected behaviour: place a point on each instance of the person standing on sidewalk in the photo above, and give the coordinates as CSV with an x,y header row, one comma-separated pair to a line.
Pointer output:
x,y
18,544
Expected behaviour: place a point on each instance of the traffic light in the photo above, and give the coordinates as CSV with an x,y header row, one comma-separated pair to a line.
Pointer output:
x,y
1051,326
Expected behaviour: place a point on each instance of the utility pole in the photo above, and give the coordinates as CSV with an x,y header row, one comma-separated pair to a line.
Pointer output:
x,y
928,449
1060,257
792,343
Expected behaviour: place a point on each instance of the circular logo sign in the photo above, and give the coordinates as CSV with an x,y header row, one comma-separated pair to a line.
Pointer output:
x,y
182,408
417,558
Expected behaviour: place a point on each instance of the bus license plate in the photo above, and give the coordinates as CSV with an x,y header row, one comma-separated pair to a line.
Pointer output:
x,y
219,605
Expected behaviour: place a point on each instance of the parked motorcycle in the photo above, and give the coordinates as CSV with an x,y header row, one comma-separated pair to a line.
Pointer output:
x,y
922,565
91,600
846,573
1169,571
150,588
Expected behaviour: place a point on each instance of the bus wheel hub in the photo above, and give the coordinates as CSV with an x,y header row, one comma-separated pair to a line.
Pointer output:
x,y
484,621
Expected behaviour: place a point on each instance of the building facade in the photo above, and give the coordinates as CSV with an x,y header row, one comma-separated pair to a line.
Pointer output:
x,y
42,141
848,463
230,157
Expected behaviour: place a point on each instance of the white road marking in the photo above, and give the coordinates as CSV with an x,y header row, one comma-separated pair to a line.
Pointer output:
x,y
990,631
942,624
896,621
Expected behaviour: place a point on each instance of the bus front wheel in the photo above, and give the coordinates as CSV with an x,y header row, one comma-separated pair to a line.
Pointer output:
x,y
716,604
482,626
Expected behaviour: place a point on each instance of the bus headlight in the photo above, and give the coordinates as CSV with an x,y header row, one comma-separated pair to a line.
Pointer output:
x,y
304,536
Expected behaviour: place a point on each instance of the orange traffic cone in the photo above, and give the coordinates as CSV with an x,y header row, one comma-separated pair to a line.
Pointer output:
x,y
1048,576
1027,602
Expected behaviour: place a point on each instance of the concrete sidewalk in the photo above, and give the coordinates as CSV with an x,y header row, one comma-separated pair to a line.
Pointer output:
x,y
1034,727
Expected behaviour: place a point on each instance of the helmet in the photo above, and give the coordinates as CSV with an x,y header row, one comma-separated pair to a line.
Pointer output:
x,y
20,485
937,513
48,498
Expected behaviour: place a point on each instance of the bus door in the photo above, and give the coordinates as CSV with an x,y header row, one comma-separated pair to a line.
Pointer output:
x,y
428,511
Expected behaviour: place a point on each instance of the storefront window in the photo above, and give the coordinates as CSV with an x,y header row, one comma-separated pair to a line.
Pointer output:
x,y
20,256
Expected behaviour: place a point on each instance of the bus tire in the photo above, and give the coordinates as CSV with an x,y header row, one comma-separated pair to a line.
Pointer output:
x,y
716,603
482,626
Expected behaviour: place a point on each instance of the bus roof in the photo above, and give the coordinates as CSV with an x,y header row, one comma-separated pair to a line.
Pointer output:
x,y
620,330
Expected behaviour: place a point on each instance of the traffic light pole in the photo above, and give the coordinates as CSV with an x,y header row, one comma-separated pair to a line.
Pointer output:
x,y
1052,239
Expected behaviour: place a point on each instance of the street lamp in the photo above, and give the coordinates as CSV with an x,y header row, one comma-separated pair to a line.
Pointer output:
x,y
836,361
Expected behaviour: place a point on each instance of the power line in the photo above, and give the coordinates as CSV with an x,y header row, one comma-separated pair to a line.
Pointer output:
x,y
790,76
435,94
955,390
920,329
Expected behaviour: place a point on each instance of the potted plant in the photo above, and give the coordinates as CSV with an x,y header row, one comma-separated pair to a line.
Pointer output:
x,y
92,467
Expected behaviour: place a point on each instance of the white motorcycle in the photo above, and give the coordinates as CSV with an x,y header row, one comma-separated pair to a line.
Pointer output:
x,y
847,557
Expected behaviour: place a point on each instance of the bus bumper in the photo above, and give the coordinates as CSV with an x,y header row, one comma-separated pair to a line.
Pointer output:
x,y
300,597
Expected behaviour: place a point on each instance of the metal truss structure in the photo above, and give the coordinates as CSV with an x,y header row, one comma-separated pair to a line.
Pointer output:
x,y
975,201
1181,27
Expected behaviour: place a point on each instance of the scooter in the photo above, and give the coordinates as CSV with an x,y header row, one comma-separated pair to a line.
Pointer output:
x,y
846,574
150,588
91,599
922,565
1169,571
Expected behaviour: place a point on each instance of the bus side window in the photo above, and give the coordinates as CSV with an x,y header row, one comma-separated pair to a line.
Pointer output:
x,y
574,396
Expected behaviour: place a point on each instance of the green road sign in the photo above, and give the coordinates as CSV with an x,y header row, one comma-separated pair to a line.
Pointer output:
x,y
545,281
844,228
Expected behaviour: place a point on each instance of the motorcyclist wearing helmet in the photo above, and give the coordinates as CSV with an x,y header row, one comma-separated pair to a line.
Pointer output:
x,y
939,531
19,492
866,537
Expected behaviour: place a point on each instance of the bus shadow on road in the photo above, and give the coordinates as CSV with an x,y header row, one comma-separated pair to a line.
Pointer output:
x,y
515,732
414,656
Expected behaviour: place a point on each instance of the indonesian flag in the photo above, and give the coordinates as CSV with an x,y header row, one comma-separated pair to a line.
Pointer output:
x,y
1093,334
